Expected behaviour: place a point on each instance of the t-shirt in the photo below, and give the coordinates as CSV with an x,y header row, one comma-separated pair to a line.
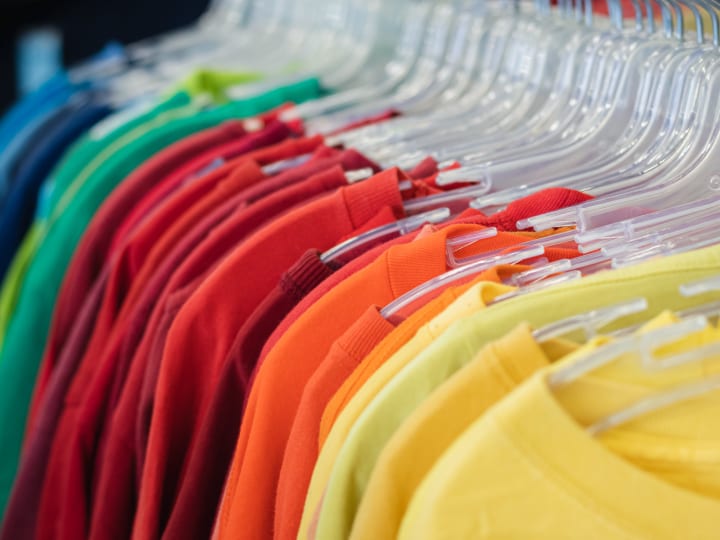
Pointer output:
x,y
151,241
73,166
657,281
24,124
112,152
15,154
424,436
469,302
193,353
267,421
24,341
529,468
50,96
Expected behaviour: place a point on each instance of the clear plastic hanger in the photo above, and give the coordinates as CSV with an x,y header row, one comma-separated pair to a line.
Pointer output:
x,y
493,47
640,169
221,17
151,73
594,262
399,228
547,283
664,399
460,273
641,344
483,23
664,243
355,33
564,111
342,43
280,34
590,322
696,288
463,241
584,265
437,118
629,230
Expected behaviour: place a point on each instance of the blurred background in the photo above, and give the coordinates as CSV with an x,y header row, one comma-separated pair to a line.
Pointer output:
x,y
38,36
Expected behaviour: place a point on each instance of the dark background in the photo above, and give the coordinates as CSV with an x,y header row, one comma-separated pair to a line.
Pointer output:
x,y
86,26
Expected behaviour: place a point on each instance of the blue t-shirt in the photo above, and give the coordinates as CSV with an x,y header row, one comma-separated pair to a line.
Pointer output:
x,y
17,213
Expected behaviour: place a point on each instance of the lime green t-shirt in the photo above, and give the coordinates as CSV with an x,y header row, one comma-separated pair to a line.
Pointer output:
x,y
27,330
658,281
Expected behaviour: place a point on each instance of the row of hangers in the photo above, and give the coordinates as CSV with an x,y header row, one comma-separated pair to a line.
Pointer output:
x,y
518,97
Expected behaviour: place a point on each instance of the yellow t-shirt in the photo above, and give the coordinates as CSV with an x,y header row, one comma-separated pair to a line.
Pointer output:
x,y
496,371
657,281
529,469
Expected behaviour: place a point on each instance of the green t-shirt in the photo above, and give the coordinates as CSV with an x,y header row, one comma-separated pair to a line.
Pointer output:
x,y
27,329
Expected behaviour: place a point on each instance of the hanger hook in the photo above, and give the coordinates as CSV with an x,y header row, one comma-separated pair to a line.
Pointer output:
x,y
588,12
639,26
650,17
709,6
667,18
613,7
699,30
679,20
637,12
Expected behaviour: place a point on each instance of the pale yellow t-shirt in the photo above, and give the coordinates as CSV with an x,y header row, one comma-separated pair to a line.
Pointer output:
x,y
529,469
